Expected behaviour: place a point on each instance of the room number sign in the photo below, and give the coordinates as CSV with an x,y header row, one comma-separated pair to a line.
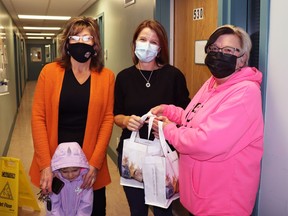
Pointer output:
x,y
198,13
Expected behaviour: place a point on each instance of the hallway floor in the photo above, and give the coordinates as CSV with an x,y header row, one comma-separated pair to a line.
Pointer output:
x,y
21,147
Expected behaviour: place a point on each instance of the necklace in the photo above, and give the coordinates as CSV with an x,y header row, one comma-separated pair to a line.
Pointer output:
x,y
147,80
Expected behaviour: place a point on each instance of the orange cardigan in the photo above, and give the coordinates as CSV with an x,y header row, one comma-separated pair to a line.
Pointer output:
x,y
98,126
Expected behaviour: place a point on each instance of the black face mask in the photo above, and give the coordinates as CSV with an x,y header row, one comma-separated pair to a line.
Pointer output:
x,y
221,65
81,52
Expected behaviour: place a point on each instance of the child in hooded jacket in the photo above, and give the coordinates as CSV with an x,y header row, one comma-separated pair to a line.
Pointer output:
x,y
69,164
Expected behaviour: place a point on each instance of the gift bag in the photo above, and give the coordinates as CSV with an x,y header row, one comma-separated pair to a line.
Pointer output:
x,y
134,151
160,174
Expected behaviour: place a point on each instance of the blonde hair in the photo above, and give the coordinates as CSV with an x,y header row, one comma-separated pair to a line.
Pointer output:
x,y
245,40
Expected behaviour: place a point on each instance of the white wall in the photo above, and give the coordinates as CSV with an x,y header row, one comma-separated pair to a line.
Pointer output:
x,y
8,106
273,196
119,25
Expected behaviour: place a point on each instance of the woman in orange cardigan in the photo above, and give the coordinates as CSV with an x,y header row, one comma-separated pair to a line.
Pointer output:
x,y
73,102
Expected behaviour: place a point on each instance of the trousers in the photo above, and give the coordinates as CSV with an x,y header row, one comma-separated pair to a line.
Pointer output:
x,y
99,202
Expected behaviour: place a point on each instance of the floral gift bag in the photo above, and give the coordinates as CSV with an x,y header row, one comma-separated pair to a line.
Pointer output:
x,y
160,174
135,149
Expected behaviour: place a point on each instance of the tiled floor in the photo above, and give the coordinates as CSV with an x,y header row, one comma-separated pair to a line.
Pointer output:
x,y
21,147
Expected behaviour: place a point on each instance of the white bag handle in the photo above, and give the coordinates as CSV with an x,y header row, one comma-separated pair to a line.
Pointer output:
x,y
143,118
150,123
165,147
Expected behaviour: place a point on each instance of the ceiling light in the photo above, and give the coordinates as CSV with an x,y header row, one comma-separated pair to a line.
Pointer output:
x,y
46,34
41,28
35,37
44,17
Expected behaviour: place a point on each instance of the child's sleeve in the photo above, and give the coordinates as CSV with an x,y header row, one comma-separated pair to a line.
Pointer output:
x,y
86,203
56,206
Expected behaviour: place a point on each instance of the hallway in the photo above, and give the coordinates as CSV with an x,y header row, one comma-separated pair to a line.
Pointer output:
x,y
21,147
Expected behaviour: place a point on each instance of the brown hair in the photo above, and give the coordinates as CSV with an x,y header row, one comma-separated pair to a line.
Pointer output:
x,y
73,27
163,55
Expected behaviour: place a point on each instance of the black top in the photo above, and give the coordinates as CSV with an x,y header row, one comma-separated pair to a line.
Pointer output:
x,y
168,86
73,109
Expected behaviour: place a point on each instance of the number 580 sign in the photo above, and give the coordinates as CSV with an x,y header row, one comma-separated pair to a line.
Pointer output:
x,y
198,13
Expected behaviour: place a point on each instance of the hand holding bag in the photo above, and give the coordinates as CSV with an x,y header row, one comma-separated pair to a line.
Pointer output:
x,y
134,151
160,175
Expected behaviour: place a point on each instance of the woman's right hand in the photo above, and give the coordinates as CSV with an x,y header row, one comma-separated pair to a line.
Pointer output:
x,y
158,110
46,180
133,122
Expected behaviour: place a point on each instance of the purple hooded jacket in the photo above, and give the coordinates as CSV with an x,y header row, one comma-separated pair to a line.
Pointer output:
x,y
220,141
71,200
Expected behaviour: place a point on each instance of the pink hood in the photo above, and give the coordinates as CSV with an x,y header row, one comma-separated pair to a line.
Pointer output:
x,y
69,154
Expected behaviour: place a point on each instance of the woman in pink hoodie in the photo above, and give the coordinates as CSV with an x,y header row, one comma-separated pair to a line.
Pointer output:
x,y
219,136
69,164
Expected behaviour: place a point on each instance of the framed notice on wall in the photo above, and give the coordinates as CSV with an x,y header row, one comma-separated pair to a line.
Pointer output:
x,y
47,53
36,54
128,2
3,63
200,51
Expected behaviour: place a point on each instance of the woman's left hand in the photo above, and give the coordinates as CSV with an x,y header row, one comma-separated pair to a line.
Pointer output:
x,y
89,178
155,128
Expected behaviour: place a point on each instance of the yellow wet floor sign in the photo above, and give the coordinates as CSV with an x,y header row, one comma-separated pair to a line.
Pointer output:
x,y
15,190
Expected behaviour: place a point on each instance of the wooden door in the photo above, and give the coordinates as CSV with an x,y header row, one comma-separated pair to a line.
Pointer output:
x,y
187,31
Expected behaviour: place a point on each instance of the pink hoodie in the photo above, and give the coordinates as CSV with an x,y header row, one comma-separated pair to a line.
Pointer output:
x,y
72,200
220,143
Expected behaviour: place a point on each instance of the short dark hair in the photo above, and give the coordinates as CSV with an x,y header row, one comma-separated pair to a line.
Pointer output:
x,y
163,56
73,27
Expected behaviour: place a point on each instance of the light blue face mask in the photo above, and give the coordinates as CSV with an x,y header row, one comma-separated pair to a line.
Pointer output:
x,y
145,51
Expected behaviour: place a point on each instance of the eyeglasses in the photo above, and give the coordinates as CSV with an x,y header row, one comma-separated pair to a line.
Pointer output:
x,y
227,50
84,38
